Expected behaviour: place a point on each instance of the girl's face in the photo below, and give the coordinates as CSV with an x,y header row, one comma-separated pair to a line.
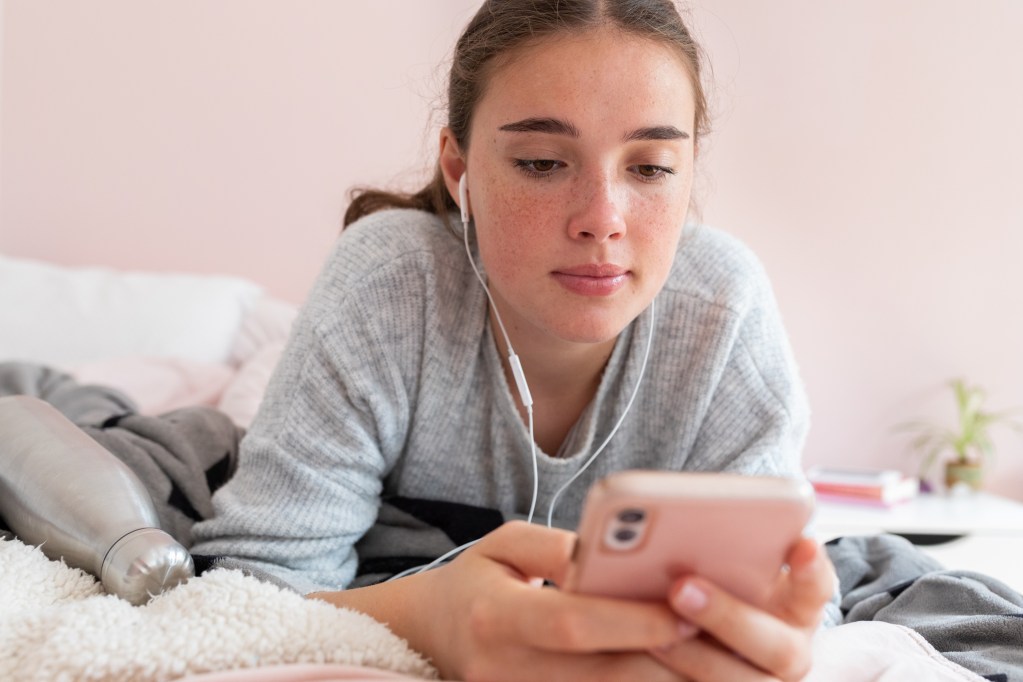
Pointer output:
x,y
579,167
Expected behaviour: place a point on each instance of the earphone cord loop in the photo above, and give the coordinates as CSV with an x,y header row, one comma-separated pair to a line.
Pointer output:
x,y
436,562
635,391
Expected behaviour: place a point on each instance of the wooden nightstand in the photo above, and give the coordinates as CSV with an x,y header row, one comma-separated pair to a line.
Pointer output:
x,y
980,532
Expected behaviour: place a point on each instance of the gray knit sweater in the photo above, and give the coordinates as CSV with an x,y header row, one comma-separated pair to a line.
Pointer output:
x,y
389,424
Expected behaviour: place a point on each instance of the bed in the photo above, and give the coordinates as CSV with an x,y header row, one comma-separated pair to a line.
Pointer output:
x,y
166,342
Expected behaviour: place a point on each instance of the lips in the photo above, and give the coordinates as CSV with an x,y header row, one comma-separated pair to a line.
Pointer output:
x,y
594,279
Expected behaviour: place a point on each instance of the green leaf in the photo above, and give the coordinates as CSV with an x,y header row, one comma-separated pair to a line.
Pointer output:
x,y
970,440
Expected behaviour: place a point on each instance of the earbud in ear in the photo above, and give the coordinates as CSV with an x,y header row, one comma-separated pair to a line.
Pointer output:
x,y
463,197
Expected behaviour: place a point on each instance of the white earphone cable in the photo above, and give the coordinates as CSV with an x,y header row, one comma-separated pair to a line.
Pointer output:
x,y
513,361
628,405
527,401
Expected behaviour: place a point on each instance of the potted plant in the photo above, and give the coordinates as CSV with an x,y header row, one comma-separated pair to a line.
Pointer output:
x,y
967,445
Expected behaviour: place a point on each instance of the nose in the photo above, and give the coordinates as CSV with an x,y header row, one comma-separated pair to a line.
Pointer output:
x,y
600,213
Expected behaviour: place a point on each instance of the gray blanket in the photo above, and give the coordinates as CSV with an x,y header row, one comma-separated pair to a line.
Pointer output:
x,y
183,456
972,619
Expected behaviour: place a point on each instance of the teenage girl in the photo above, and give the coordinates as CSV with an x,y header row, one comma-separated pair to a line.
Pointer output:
x,y
448,374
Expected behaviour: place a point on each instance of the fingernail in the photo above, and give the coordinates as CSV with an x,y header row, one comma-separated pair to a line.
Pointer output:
x,y
686,630
690,599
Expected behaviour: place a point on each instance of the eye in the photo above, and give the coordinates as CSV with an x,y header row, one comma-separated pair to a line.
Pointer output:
x,y
649,172
538,168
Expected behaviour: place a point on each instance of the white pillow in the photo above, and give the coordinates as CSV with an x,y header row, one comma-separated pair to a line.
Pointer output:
x,y
243,395
268,322
64,317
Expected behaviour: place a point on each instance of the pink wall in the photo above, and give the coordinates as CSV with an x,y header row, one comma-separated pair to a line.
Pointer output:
x,y
870,152
212,136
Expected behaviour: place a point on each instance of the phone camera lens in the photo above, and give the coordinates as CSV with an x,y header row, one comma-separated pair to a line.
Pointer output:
x,y
631,515
625,535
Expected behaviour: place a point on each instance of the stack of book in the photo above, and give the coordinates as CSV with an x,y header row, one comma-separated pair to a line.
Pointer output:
x,y
882,487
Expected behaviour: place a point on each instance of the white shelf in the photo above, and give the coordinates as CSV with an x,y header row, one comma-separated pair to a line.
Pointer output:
x,y
934,514
990,529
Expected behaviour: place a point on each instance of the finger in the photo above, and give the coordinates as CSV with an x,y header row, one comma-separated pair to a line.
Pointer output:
x,y
533,551
809,584
556,621
701,659
764,640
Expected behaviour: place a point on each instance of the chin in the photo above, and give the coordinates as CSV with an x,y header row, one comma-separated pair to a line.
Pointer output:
x,y
590,330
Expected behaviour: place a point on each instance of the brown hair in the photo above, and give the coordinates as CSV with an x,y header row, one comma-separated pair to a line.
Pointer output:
x,y
501,26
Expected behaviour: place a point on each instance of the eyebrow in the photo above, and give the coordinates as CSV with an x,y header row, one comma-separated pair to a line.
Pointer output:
x,y
556,126
657,133
551,126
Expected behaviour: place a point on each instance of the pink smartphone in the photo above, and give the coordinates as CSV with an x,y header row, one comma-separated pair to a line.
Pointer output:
x,y
641,530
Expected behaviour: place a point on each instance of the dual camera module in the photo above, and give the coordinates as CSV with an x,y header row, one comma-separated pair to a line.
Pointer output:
x,y
626,529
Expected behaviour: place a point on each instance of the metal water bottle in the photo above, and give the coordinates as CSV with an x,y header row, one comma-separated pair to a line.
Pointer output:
x,y
63,491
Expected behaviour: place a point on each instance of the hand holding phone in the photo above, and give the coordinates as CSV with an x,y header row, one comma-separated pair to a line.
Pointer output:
x,y
642,530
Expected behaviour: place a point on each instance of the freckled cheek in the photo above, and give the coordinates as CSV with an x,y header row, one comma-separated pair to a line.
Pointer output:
x,y
656,234
516,239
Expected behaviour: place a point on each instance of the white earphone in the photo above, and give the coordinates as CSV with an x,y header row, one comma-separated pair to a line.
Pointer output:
x,y
463,198
524,395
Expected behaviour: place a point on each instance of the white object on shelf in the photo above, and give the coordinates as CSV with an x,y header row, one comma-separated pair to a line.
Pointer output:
x,y
990,529
864,477
880,487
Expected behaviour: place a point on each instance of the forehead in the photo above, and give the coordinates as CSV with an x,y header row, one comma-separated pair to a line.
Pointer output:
x,y
601,76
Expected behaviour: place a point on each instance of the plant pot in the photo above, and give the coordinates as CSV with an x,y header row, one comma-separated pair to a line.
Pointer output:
x,y
970,474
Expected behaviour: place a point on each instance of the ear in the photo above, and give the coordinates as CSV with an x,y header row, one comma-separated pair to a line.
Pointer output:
x,y
452,163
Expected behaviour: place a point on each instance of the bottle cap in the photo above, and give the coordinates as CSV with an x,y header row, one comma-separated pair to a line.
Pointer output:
x,y
144,563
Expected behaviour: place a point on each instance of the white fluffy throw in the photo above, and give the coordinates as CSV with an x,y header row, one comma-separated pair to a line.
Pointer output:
x,y
56,623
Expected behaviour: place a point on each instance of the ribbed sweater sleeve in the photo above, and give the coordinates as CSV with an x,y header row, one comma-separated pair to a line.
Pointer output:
x,y
334,418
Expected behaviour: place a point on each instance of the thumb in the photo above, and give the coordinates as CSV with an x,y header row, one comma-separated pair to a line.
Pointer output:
x,y
808,585
531,550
